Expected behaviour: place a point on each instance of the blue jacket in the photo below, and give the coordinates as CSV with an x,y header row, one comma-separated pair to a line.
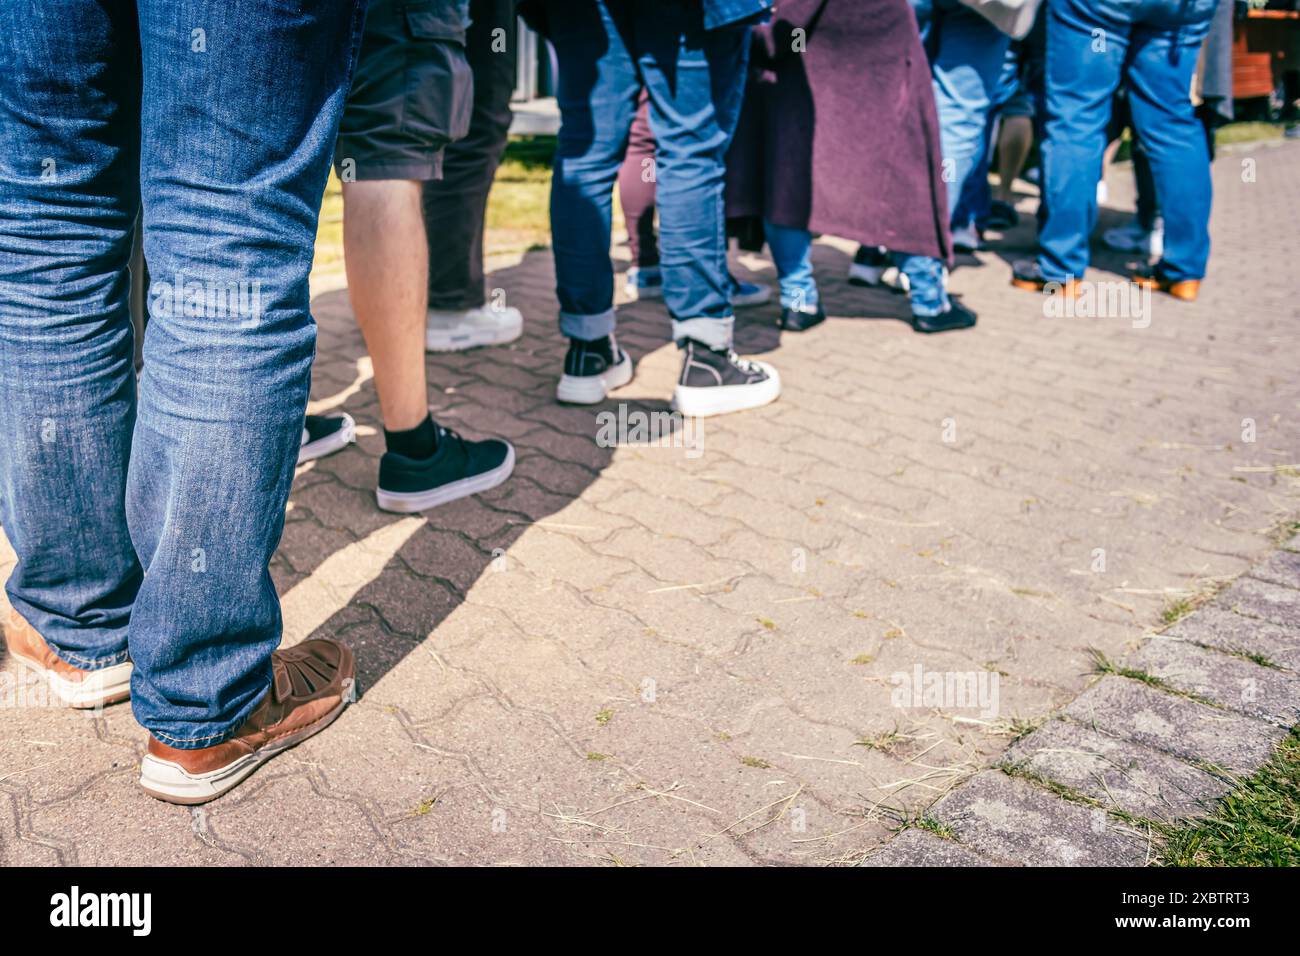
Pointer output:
x,y
720,12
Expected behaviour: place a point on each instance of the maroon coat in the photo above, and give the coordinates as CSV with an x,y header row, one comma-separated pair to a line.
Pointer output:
x,y
842,138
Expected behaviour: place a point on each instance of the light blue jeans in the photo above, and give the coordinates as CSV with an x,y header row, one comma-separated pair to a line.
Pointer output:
x,y
145,515
695,79
792,254
966,54
1154,45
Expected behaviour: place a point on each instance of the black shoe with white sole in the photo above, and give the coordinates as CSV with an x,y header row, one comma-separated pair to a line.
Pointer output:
x,y
323,435
717,381
458,468
592,369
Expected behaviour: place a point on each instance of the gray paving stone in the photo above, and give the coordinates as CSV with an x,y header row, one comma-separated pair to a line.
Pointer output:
x,y
1016,822
1227,681
1229,631
1122,775
1281,567
921,848
1186,728
1261,599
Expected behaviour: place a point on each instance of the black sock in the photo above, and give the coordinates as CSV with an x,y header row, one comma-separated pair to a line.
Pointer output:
x,y
419,442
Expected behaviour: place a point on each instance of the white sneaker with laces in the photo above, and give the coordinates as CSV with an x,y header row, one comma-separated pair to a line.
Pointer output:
x,y
472,328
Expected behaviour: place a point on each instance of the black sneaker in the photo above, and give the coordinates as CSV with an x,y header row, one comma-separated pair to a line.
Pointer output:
x,y
323,435
592,369
957,317
458,468
798,320
717,381
1002,216
874,266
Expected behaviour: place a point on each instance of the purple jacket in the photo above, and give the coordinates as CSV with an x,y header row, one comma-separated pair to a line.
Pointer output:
x,y
838,133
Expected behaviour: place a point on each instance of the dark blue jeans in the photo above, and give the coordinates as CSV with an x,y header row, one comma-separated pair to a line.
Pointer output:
x,y
695,80
145,515
1153,45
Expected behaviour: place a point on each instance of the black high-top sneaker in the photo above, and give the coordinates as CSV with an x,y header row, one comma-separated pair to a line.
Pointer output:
x,y
592,369
717,381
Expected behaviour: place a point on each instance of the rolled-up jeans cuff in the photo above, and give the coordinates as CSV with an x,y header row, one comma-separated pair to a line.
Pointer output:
x,y
587,327
715,333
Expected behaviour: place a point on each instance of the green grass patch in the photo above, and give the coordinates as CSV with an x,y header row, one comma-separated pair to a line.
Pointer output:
x,y
1257,824
1251,132
931,825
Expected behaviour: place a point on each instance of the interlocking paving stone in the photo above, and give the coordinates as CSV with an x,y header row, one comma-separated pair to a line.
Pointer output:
x,y
753,602
1121,775
1230,682
1186,728
1016,822
917,847
1282,567
1237,634
1264,600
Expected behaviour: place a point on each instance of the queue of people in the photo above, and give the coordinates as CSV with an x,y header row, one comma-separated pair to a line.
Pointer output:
x,y
144,512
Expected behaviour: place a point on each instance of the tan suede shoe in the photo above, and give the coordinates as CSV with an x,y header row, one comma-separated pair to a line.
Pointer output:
x,y
70,685
311,684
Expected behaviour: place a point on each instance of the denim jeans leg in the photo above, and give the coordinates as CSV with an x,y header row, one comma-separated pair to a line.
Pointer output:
x,y
925,277
1161,63
68,203
966,56
229,224
597,91
792,253
695,80
1082,76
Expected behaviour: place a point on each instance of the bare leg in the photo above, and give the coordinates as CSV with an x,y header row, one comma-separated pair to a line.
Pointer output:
x,y
1014,141
388,273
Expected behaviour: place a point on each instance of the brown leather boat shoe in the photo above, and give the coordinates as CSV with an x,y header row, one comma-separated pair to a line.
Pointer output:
x,y
70,685
1185,289
1025,274
311,684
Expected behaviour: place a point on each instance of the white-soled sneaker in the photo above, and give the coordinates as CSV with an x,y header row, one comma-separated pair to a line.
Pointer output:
x,y
873,266
325,434
472,328
717,381
593,369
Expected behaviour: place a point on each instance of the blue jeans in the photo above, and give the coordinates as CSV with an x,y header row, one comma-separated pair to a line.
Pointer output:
x,y
1153,45
792,253
966,54
695,80
976,200
144,516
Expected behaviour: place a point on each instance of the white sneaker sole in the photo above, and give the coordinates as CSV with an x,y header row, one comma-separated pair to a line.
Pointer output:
x,y
108,685
442,340
330,443
594,389
408,502
888,277
170,782
723,399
